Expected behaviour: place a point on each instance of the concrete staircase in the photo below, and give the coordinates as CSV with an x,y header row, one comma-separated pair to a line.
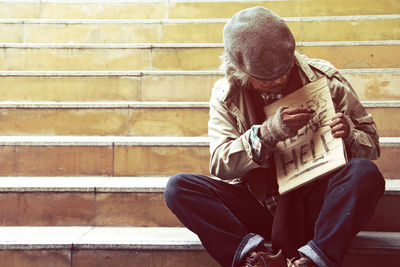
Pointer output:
x,y
102,100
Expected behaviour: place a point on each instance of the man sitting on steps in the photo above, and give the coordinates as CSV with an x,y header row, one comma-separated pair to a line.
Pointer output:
x,y
239,214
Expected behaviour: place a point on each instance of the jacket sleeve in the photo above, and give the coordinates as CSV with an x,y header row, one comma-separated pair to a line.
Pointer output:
x,y
230,148
363,141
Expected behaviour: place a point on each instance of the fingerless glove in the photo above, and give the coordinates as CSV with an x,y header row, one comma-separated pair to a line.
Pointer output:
x,y
274,129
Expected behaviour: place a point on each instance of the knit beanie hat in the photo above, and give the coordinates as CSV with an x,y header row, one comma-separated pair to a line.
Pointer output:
x,y
259,43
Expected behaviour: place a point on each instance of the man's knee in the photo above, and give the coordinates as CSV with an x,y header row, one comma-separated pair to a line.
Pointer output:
x,y
366,175
364,168
362,164
173,187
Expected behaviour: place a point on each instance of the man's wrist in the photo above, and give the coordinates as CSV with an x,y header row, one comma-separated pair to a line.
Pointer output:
x,y
274,130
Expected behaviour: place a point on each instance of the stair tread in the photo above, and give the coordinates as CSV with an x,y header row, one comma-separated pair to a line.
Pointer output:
x,y
83,184
142,184
150,104
129,140
182,45
159,72
161,9
191,20
114,104
203,56
105,140
18,237
86,237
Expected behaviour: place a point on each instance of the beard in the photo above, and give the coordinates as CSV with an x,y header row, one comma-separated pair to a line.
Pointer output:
x,y
276,89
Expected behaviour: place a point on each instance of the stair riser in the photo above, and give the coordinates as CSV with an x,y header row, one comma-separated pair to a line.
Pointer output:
x,y
192,58
217,9
370,260
105,258
28,258
56,160
136,121
37,208
127,209
101,160
307,31
376,86
130,161
84,10
85,209
388,163
386,216
165,258
82,88
133,209
192,9
127,160
369,86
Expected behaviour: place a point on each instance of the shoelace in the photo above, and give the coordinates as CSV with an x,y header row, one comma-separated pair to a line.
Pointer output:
x,y
252,260
304,263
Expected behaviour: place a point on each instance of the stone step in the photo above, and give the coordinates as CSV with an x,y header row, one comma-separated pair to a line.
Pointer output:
x,y
139,118
304,29
104,156
163,9
150,246
226,8
87,9
126,118
56,57
101,246
127,156
121,201
84,201
171,86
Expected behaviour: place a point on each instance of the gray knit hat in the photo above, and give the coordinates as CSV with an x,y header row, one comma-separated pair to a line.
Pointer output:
x,y
259,42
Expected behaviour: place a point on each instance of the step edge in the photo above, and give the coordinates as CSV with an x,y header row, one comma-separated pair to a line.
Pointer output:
x,y
101,105
85,1
381,103
104,141
389,141
84,184
147,104
129,141
166,72
195,21
112,185
363,242
182,45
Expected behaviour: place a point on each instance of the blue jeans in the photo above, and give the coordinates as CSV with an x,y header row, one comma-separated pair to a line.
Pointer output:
x,y
230,222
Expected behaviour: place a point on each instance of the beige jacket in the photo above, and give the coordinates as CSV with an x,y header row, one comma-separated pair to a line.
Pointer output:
x,y
233,111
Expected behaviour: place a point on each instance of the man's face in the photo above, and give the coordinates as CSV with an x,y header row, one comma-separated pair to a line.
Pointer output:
x,y
275,86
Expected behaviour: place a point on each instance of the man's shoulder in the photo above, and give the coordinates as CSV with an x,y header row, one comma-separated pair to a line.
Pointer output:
x,y
222,90
322,66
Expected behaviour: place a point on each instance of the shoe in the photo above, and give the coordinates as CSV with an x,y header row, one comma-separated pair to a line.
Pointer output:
x,y
263,259
302,262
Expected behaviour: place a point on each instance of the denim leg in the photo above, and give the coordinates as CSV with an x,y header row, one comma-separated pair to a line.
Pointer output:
x,y
227,218
349,203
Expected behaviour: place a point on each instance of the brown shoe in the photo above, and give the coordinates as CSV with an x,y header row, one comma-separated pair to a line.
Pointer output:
x,y
262,259
302,262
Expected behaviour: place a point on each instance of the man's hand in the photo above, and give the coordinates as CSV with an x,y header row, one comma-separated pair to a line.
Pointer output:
x,y
296,118
339,126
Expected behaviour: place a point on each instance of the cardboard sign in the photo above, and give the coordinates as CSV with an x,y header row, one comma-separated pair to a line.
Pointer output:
x,y
314,152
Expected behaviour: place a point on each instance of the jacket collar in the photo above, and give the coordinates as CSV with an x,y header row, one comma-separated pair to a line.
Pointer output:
x,y
303,63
